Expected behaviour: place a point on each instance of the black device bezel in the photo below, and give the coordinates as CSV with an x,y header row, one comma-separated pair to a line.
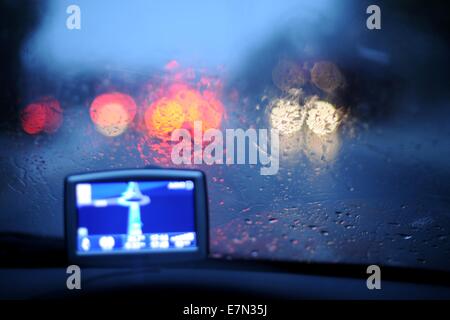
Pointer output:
x,y
137,259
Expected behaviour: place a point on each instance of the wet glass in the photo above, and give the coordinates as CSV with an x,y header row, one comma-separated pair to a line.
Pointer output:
x,y
363,117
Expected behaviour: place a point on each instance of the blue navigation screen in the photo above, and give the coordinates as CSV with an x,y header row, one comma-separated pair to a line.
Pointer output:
x,y
135,217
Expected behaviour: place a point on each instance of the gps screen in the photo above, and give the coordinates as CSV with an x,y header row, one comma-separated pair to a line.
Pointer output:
x,y
135,217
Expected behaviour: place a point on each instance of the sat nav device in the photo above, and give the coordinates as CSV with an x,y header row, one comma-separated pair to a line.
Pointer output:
x,y
136,217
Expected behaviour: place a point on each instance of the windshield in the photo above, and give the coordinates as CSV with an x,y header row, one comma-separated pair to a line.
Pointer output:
x,y
355,168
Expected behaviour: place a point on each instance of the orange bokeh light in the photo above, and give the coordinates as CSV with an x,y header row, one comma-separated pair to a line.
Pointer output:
x,y
180,107
112,113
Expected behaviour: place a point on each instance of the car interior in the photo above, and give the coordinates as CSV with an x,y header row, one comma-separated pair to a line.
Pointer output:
x,y
235,150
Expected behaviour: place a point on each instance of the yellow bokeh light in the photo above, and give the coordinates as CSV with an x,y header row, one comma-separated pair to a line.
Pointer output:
x,y
286,115
322,117
318,140
166,117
